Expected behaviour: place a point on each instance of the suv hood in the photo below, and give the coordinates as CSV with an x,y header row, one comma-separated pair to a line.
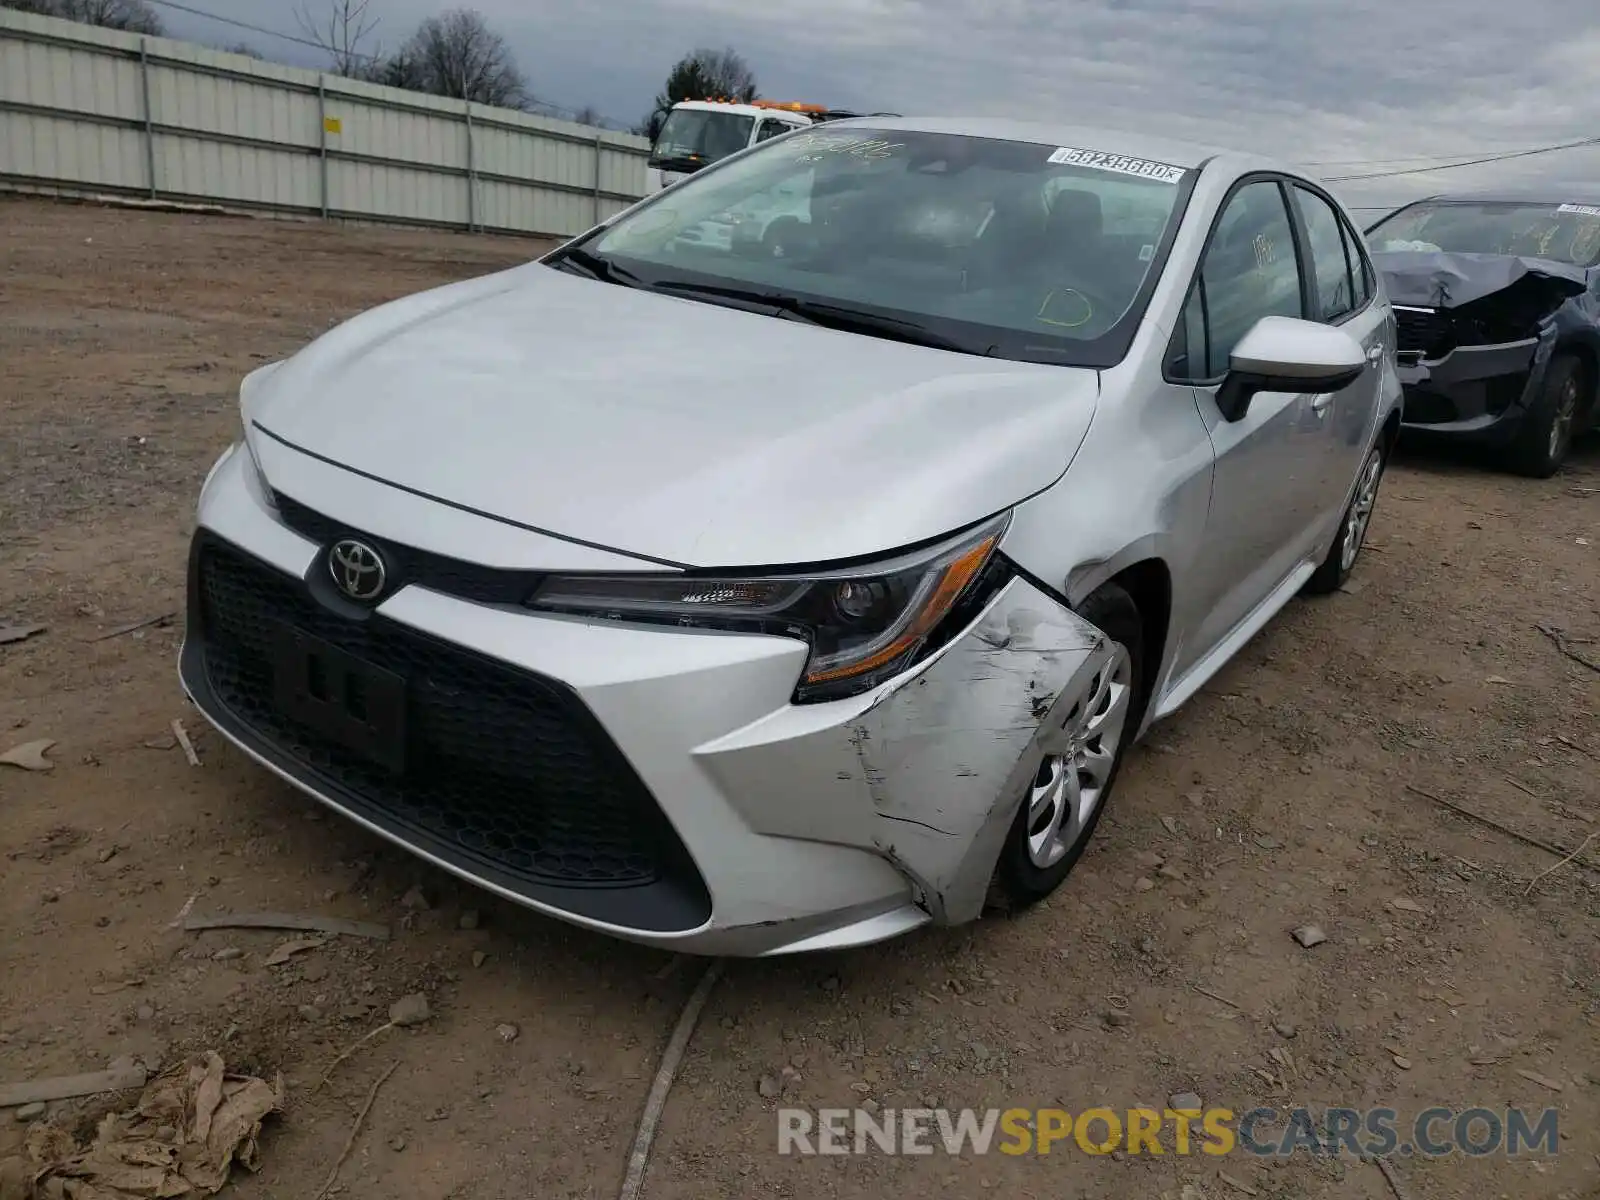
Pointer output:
x,y
671,428
1440,279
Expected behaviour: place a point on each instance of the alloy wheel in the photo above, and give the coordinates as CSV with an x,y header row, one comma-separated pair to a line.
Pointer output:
x,y
1561,421
1360,515
1079,758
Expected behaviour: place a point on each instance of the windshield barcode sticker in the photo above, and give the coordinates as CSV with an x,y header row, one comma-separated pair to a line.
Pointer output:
x,y
1121,164
1581,209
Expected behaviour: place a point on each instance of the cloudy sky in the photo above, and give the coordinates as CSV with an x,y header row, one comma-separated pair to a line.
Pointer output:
x,y
1354,86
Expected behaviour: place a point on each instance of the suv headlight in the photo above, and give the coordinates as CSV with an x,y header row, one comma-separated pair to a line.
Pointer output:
x,y
864,624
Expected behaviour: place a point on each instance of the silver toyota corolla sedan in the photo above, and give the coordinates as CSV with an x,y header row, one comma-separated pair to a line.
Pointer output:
x,y
793,587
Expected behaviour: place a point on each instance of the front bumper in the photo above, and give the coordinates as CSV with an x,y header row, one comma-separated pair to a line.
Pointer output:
x,y
648,783
1475,393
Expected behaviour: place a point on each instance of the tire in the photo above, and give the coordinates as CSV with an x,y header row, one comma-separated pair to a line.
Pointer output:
x,y
1023,874
1353,524
1541,444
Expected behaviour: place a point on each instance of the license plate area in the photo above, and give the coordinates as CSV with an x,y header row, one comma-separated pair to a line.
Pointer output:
x,y
346,699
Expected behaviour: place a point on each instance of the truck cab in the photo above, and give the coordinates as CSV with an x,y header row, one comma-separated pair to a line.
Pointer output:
x,y
698,133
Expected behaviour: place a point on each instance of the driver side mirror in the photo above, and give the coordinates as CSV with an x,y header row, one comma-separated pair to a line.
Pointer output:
x,y
1287,354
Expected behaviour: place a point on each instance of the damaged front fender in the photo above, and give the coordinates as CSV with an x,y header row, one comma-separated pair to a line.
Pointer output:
x,y
929,770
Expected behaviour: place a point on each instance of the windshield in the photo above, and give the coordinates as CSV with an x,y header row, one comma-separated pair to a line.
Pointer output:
x,y
1012,249
1566,233
693,137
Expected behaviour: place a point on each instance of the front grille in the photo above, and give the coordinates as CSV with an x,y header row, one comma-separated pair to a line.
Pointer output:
x,y
452,576
503,769
1422,331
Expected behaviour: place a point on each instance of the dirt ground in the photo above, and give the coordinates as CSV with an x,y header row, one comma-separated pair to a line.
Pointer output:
x,y
1291,791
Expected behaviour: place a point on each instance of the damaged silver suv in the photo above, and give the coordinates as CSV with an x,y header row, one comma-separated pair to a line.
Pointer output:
x,y
1498,303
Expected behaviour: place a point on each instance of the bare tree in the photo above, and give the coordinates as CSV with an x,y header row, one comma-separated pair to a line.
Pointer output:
x,y
246,49
588,115
727,73
132,16
339,30
459,55
703,75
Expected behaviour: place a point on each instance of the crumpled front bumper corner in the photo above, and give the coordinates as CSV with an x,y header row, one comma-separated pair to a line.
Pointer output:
x,y
928,772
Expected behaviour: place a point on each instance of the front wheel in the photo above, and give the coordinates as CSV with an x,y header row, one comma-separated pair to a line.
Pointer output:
x,y
1346,548
1546,433
1082,758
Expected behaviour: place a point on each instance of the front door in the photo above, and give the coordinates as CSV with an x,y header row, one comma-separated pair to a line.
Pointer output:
x,y
1270,479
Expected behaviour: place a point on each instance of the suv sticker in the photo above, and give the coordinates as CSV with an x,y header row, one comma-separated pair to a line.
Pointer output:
x,y
1581,209
1121,164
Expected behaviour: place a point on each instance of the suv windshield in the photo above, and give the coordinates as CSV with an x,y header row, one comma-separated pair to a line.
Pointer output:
x,y
692,137
1011,249
1566,233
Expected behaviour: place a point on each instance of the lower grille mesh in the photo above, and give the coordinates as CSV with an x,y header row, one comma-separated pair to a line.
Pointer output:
x,y
500,765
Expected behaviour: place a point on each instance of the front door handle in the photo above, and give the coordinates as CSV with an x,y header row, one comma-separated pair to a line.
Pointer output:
x,y
1321,403
1375,354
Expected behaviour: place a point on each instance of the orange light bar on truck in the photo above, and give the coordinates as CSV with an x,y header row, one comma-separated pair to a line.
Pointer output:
x,y
790,106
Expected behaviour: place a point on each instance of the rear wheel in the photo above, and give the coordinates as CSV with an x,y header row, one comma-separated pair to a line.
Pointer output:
x,y
1541,444
1082,759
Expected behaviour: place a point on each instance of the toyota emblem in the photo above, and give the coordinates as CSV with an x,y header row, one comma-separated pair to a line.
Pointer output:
x,y
357,570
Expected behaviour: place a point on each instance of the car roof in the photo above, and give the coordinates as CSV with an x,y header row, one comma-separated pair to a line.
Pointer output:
x,y
1173,151
1581,193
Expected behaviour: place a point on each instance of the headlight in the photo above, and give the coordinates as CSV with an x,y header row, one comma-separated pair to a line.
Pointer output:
x,y
258,477
864,624
246,387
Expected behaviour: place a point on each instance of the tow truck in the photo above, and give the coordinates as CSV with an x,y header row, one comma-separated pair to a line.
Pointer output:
x,y
698,133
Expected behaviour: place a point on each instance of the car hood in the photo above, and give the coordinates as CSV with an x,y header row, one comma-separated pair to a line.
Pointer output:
x,y
1440,279
672,429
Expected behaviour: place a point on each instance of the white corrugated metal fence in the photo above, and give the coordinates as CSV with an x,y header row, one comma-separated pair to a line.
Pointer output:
x,y
87,111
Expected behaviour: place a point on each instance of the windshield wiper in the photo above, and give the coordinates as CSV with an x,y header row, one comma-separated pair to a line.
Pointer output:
x,y
855,320
595,267
831,316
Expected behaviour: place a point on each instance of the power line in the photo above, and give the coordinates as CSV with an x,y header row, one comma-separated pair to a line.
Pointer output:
x,y
1408,158
557,109
1471,162
287,37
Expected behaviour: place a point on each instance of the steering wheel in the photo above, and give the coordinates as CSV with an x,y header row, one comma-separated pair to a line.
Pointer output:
x,y
782,237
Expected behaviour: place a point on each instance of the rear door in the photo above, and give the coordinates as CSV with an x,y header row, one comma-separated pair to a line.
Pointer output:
x,y
1341,292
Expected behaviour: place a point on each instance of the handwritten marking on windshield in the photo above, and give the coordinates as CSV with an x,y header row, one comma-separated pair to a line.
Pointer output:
x,y
1586,242
810,147
1044,308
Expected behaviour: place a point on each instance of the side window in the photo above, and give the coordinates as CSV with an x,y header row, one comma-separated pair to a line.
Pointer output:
x,y
1332,280
770,129
1360,268
1250,271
